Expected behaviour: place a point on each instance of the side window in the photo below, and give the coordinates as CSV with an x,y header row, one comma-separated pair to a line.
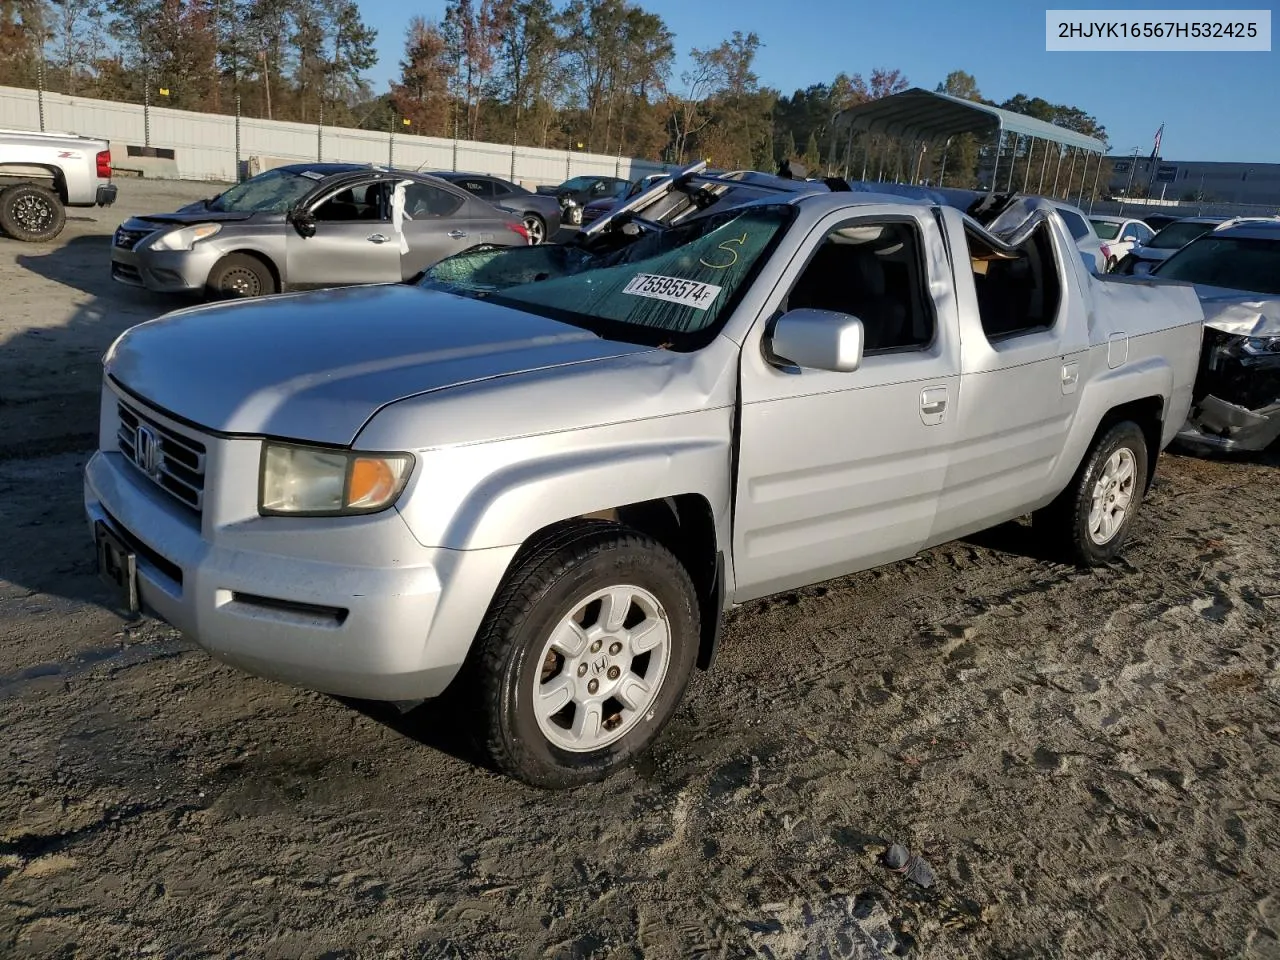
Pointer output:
x,y
500,189
422,201
1075,223
875,272
477,188
1016,294
365,201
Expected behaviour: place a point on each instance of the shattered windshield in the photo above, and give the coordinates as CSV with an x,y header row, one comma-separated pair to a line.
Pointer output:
x,y
1235,263
577,184
667,286
272,192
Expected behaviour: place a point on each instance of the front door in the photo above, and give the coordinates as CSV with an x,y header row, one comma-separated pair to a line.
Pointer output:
x,y
842,471
353,242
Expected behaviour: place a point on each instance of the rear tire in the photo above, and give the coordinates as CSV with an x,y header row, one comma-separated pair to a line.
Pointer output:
x,y
240,275
1089,521
31,213
583,656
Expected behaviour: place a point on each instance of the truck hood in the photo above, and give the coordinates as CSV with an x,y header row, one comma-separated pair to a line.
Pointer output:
x,y
1240,312
316,366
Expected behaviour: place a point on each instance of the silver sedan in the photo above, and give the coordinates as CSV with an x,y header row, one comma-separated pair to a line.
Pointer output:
x,y
306,226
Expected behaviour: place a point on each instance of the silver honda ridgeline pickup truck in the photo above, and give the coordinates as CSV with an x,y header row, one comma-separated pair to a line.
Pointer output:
x,y
538,476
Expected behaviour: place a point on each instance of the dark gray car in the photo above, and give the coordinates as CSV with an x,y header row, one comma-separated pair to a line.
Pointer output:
x,y
539,213
308,225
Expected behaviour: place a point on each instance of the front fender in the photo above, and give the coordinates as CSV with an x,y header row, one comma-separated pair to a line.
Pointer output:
x,y
509,503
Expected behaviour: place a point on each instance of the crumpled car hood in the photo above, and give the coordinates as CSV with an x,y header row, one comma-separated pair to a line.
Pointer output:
x,y
1244,314
315,367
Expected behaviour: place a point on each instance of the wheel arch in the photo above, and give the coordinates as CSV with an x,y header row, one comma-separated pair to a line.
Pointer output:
x,y
1148,414
261,256
686,525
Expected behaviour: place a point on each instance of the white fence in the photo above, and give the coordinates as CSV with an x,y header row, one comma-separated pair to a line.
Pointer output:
x,y
210,146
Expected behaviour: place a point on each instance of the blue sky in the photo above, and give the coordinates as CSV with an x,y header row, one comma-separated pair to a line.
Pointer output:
x,y
1215,106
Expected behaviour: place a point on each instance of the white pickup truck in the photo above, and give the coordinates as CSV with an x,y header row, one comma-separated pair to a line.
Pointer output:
x,y
43,173
536,478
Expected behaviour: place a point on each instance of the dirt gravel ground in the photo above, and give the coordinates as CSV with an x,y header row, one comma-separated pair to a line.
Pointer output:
x,y
1087,759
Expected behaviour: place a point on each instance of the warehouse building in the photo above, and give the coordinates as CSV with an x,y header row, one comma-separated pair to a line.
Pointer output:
x,y
1209,181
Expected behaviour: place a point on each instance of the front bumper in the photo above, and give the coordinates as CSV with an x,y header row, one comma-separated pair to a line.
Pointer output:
x,y
164,271
353,606
1223,427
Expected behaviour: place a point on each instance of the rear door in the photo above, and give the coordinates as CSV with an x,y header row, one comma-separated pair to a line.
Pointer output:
x,y
1023,330
437,223
353,241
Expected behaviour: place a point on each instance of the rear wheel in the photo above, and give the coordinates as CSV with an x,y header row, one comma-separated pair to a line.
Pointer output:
x,y
1090,520
536,229
240,275
583,656
1111,264
31,213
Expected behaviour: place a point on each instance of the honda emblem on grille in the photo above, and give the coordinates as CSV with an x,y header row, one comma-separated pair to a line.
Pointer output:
x,y
146,451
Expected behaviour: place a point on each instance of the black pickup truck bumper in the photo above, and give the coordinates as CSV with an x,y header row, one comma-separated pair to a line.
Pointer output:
x,y
106,195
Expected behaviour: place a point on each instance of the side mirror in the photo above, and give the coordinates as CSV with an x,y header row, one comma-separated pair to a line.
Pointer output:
x,y
819,339
304,223
1129,239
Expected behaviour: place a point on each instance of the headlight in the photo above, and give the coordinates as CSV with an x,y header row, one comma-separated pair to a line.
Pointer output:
x,y
185,238
1261,346
312,481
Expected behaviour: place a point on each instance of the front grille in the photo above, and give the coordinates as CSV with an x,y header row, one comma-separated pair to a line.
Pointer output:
x,y
172,460
130,238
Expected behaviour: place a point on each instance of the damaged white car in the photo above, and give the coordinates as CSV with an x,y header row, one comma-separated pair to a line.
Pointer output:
x,y
1236,273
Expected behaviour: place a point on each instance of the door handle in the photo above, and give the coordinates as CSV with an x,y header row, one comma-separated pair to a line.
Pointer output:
x,y
933,405
378,238
1070,375
457,234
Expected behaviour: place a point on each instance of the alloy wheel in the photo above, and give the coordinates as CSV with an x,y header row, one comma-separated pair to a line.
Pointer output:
x,y
602,668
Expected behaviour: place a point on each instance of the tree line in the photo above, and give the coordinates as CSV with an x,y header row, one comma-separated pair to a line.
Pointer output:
x,y
591,75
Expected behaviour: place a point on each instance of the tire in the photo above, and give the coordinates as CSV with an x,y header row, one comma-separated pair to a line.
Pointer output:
x,y
240,275
1111,480
1111,264
537,229
31,213
527,651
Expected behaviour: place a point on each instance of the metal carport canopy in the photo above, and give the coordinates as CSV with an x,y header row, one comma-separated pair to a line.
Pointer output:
x,y
926,115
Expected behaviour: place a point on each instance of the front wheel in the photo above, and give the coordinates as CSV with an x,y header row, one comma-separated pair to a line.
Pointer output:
x,y
1090,520
583,656
240,275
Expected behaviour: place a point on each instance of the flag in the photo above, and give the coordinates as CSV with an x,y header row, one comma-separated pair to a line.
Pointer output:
x,y
1155,147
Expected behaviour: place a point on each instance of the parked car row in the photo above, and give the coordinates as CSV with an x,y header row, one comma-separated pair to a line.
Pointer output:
x,y
309,225
537,476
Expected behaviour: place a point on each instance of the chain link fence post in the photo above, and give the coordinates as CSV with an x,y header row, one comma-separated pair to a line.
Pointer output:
x,y
40,89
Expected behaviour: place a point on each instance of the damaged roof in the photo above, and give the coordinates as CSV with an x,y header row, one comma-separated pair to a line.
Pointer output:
x,y
927,114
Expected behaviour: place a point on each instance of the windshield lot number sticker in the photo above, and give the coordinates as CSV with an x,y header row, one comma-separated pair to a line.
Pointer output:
x,y
687,293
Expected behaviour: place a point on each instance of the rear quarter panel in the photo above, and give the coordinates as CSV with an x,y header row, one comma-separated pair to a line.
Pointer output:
x,y
1144,342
